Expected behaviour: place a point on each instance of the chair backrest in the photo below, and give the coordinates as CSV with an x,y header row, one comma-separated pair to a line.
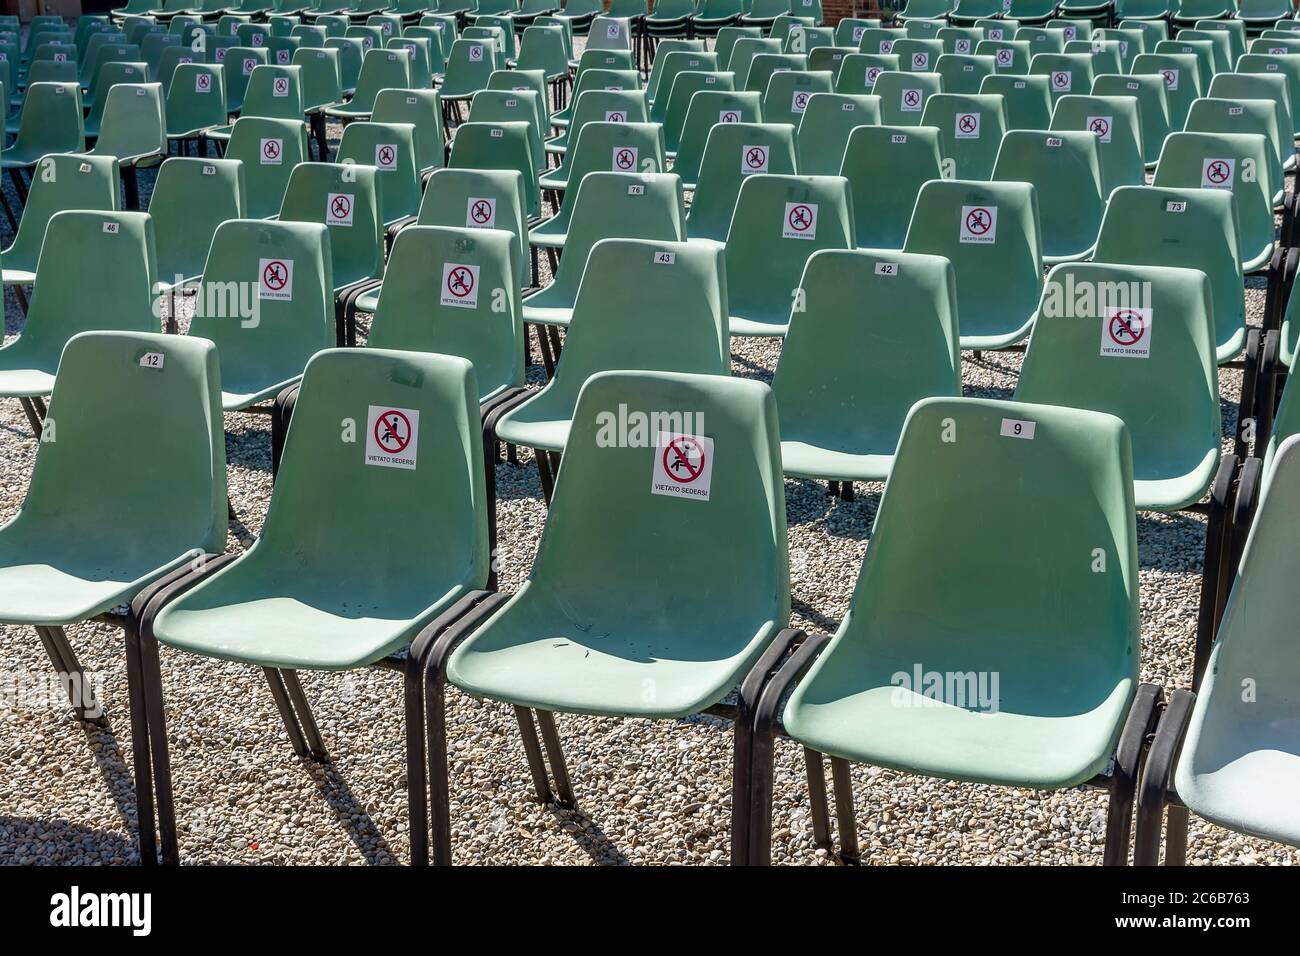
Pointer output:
x,y
734,152
747,523
990,233
287,320
322,81
1066,72
1220,47
764,65
960,40
971,128
269,150
456,292
859,71
1153,106
1069,217
478,199
346,199
61,181
1104,54
903,96
610,106
1258,86
498,146
352,53
191,198
824,129
275,92
1026,100
837,382
779,222
422,109
435,479
1287,66
542,48
1116,123
906,157
511,106
390,148
1009,56
1182,76
1239,163
239,63
677,100
51,120
727,38
118,395
1164,387
113,257
741,56
469,65
829,58
668,63
133,122
707,109
1188,227
1201,50
1213,115
380,70
522,81
964,72
918,56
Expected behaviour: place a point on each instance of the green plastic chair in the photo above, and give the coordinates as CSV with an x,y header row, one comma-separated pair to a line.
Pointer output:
x,y
1041,40
196,101
622,319
606,81
288,620
963,73
1009,56
390,148
789,92
511,106
878,40
841,394
1190,228
62,181
909,156
670,18
239,64
741,57
322,81
499,146
999,279
551,233
607,205
191,198
1182,81
273,92
419,58
1257,13
542,48
1026,100
132,129
352,54
1202,50
709,108
971,129
1259,86
1189,11
610,106
859,72
1153,107
421,109
346,200
779,222
1246,116
848,32
51,122
918,56
269,150
903,95
824,130
477,199
725,42
1067,72
668,63
734,152
416,313
1065,650
381,69
925,10
1069,217
1117,124
716,15
1164,388
764,65
960,40
1220,46
619,147
677,101
1286,66
109,52
292,318
1149,15
1104,54
115,270
469,65
1130,43
74,550
1192,160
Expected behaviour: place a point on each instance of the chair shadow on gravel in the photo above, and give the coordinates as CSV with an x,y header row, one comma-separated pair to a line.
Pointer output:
x,y
350,814
594,842
250,448
807,502
111,765
750,369
65,840
1173,543
815,618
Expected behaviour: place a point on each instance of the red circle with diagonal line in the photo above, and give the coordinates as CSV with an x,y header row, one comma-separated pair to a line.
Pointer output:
x,y
978,221
341,207
616,117
481,211
1127,327
386,156
1061,79
460,282
204,80
1169,76
801,100
967,123
683,459
756,157
624,159
1100,126
271,149
275,275
730,118
911,97
800,218
1218,171
393,431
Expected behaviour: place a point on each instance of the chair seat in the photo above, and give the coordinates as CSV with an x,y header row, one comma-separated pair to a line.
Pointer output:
x,y
1176,493
557,314
544,650
237,395
758,325
537,423
26,379
801,459
17,276
548,235
1038,742
1230,349
369,301
1000,340
15,158
250,613
1252,779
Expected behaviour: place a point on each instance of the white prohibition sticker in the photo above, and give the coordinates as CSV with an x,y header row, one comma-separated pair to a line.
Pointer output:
x,y
1006,57
152,360
615,116
920,61
683,466
961,46
481,213
624,159
275,279
729,116
994,33
1126,332
1171,79
663,258
1217,173
800,221
912,101
886,268
272,152
967,126
873,72
799,102
979,224
280,87
475,53
338,209
459,285
1062,80
1175,206
386,156
753,159
886,46
202,82
1101,125
282,57
249,63
392,437
1017,428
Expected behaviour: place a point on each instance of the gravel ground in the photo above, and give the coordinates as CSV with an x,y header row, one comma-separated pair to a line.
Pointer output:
x,y
648,792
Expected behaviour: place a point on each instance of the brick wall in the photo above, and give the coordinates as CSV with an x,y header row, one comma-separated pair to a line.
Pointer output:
x,y
836,10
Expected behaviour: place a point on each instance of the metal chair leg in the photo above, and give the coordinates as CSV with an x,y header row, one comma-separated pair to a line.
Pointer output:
x,y
281,697
306,720
141,756
821,820
555,757
64,659
533,750
162,772
845,817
